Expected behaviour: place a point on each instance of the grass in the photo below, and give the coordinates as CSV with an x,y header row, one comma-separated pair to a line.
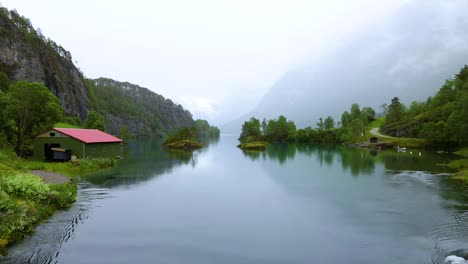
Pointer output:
x,y
414,143
256,145
461,165
65,125
462,152
26,200
184,144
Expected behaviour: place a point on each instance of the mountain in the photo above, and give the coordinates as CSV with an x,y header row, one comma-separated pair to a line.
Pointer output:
x,y
409,56
25,54
138,108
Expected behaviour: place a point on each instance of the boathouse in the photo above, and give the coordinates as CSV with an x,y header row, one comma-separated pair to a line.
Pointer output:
x,y
63,143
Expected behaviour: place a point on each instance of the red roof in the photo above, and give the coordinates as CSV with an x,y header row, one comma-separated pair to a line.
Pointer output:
x,y
88,135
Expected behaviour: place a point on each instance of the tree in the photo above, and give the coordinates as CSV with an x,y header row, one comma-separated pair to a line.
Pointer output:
x,y
33,108
355,111
320,124
345,119
264,125
368,114
250,128
95,120
4,82
395,111
125,133
329,123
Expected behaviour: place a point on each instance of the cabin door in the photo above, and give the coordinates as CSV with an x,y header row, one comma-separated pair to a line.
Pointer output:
x,y
48,153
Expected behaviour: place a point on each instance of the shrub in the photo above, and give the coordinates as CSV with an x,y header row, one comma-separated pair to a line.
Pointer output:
x,y
26,186
5,201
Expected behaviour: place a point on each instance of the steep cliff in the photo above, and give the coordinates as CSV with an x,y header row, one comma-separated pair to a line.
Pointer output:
x,y
25,54
138,108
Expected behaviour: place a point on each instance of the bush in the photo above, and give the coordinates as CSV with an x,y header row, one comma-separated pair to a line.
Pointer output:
x,y
5,201
62,195
26,186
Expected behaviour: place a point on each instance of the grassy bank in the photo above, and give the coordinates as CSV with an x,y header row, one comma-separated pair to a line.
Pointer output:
x,y
461,165
26,199
185,144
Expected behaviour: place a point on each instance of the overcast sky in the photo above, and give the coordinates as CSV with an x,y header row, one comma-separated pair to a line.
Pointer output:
x,y
216,58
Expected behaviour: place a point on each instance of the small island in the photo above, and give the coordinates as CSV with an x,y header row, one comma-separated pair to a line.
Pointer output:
x,y
184,144
186,139
256,145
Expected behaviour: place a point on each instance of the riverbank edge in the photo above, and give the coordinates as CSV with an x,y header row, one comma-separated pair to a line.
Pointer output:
x,y
27,199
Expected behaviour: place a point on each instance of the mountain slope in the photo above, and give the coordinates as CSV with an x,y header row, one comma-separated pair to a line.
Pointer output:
x,y
25,54
138,108
409,56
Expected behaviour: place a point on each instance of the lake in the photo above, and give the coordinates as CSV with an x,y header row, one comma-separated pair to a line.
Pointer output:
x,y
294,203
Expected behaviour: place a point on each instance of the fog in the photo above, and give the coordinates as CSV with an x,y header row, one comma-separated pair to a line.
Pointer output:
x,y
228,59
408,55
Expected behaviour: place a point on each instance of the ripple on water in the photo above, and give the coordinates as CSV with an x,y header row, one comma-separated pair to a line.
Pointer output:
x,y
60,228
451,239
408,177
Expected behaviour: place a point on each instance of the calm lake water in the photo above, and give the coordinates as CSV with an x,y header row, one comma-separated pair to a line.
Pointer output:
x,y
290,204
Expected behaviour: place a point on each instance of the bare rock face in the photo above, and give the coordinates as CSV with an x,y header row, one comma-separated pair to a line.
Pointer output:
x,y
25,54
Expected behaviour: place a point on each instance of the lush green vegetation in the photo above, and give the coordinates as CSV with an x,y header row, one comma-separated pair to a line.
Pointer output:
x,y
352,128
187,138
442,120
26,200
139,109
256,145
26,109
185,144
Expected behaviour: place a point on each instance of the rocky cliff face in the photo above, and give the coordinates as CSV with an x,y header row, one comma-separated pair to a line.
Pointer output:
x,y
25,54
138,108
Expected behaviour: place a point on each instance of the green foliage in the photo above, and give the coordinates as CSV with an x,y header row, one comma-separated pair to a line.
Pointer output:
x,y
32,108
353,125
251,128
204,130
280,130
26,186
256,145
183,145
437,134
395,111
125,133
4,82
329,123
95,120
128,101
442,120
70,122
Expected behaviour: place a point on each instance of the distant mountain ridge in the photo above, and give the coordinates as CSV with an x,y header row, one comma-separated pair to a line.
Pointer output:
x,y
409,56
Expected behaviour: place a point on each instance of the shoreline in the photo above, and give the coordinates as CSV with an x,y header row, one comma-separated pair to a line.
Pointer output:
x,y
32,191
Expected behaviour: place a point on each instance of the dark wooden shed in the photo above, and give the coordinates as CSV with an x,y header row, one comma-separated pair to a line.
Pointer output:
x,y
373,140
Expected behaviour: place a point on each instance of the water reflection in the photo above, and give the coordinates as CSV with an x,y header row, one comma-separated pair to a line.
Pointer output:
x,y
358,161
144,159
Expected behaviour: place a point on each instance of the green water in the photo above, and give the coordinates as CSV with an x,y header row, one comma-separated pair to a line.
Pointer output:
x,y
290,204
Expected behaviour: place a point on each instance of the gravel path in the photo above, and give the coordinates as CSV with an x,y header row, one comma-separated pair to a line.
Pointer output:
x,y
375,131
50,177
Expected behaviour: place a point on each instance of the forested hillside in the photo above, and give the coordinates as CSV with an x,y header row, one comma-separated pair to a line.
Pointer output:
x,y
141,110
27,55
441,119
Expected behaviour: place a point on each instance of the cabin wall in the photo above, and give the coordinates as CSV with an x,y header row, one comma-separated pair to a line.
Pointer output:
x,y
74,145
103,150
